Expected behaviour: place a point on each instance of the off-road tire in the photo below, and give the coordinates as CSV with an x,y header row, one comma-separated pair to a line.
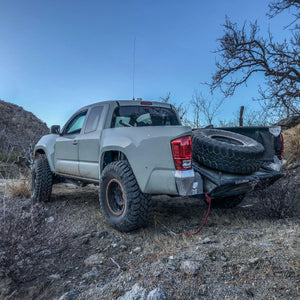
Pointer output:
x,y
123,204
227,202
41,179
227,151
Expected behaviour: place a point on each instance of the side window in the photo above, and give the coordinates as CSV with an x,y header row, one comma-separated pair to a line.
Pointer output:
x,y
75,124
93,119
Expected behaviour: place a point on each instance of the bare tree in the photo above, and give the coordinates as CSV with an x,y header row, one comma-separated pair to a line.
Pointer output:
x,y
167,98
278,6
204,108
251,117
243,53
181,108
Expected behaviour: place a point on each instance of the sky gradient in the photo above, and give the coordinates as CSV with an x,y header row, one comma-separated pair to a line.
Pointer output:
x,y
59,55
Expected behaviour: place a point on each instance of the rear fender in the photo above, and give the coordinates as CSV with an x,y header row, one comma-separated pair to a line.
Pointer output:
x,y
148,151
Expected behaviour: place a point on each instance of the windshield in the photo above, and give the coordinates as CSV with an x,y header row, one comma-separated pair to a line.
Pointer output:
x,y
139,116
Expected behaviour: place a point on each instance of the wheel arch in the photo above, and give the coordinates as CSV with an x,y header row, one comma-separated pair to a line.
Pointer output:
x,y
109,156
44,151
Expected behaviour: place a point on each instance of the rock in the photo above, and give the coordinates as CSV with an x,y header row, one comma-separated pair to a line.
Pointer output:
x,y
207,240
93,260
5,286
85,239
223,258
135,293
190,267
137,250
157,294
45,252
289,122
54,277
253,261
69,295
91,275
49,220
202,290
265,245
123,247
164,260
250,292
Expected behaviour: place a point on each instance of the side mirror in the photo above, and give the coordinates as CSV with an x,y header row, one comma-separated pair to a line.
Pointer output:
x,y
55,129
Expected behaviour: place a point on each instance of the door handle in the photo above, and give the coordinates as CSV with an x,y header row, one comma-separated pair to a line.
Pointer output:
x,y
75,142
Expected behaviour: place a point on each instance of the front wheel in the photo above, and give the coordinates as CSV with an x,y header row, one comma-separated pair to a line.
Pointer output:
x,y
124,206
41,179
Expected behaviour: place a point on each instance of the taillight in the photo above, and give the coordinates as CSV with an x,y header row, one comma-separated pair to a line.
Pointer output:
x,y
182,153
282,146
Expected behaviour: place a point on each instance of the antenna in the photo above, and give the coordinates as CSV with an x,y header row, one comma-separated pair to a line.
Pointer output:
x,y
133,73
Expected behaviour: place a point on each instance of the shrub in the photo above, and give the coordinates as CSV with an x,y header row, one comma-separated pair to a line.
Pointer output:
x,y
20,188
281,198
292,144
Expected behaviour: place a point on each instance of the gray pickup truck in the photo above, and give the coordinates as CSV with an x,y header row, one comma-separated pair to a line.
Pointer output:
x,y
135,149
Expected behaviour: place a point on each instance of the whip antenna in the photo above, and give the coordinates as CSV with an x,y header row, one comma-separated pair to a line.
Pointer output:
x,y
133,73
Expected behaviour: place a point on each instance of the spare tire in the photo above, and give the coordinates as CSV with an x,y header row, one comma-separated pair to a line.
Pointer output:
x,y
226,151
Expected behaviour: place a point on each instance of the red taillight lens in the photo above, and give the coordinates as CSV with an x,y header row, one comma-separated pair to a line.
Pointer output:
x,y
282,146
182,153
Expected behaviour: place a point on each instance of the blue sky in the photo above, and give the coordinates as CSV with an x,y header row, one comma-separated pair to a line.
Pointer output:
x,y
59,55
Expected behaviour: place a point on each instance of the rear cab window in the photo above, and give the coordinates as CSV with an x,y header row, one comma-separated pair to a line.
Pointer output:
x,y
139,116
93,119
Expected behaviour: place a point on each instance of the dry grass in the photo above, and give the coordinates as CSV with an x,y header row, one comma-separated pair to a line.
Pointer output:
x,y
292,144
19,188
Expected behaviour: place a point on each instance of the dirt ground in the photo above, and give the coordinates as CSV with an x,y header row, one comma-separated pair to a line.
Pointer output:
x,y
65,250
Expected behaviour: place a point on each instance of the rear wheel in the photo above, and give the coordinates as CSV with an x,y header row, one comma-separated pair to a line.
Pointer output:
x,y
41,179
124,206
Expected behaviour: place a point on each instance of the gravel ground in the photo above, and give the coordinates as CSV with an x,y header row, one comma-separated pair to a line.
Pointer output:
x,y
65,250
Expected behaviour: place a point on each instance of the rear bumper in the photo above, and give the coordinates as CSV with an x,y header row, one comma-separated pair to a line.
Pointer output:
x,y
185,182
171,182
218,184
201,180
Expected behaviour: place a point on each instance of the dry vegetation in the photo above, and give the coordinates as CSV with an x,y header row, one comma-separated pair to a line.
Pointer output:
x,y
242,253
292,145
19,188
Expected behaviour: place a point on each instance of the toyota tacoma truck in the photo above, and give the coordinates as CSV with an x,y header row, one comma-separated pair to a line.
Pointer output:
x,y
135,149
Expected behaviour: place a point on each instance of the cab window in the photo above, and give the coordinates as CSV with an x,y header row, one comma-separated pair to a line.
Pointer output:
x,y
75,125
93,119
139,116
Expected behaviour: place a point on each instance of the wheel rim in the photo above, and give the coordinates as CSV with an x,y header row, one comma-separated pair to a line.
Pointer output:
x,y
115,197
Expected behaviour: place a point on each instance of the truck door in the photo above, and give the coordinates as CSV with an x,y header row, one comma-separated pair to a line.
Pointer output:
x,y
89,144
66,146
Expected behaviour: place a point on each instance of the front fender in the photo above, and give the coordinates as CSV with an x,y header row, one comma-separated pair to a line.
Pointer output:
x,y
46,145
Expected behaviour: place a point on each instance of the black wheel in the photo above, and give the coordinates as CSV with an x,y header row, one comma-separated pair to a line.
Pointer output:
x,y
227,151
227,202
41,179
124,206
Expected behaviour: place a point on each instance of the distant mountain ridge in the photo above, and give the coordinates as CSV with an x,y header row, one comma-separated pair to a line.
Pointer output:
x,y
19,129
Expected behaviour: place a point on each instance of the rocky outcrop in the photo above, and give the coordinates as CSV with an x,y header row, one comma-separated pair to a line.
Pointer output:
x,y
289,122
19,130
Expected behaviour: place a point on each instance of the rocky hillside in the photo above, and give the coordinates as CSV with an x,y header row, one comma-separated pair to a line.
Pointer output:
x,y
19,130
